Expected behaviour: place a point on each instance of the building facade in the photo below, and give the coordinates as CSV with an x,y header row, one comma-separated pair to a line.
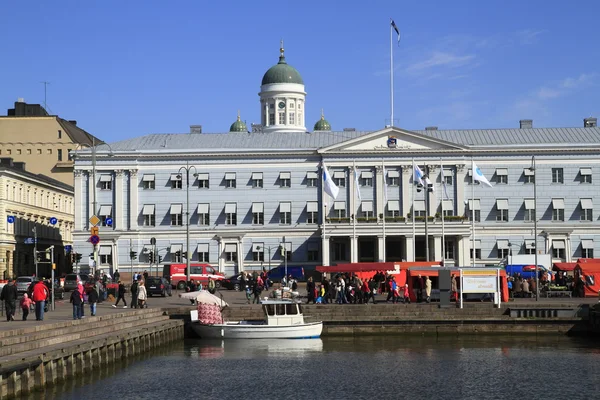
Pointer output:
x,y
253,193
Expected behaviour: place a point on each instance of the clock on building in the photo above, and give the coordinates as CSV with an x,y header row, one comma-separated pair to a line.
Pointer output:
x,y
281,104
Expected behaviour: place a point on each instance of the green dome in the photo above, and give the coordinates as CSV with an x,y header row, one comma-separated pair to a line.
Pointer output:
x,y
238,126
322,124
282,72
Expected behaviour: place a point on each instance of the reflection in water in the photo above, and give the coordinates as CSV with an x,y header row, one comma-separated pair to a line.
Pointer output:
x,y
381,367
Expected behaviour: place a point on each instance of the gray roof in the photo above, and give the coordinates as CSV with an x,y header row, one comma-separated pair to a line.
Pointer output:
x,y
316,140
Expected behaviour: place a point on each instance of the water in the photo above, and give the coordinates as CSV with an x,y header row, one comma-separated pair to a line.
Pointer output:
x,y
352,368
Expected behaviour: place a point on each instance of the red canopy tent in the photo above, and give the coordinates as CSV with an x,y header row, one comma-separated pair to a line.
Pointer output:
x,y
366,270
564,266
591,274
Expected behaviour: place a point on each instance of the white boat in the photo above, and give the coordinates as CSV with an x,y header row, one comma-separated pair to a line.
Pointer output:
x,y
283,320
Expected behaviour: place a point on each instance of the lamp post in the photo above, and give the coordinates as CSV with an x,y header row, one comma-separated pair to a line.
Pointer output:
x,y
269,251
537,278
187,170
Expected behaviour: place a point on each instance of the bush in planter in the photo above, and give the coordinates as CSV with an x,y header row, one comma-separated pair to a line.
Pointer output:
x,y
395,219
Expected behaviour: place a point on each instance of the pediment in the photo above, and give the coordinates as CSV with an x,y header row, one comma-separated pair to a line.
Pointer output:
x,y
391,139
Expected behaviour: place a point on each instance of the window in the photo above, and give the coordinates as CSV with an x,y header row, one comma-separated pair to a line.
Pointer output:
x,y
449,250
339,178
312,212
285,251
204,214
230,252
448,208
271,118
311,179
285,179
39,151
502,210
502,253
587,253
393,178
203,181
419,208
587,210
176,251
292,117
285,213
587,248
105,182
558,209
448,178
530,247
149,215
529,215
258,252
339,209
59,134
29,152
176,181
529,175
393,208
104,214
148,182
291,105
105,253
19,151
502,175
558,249
230,180
258,214
312,251
586,175
557,175
203,254
366,178
257,179
49,151
473,181
366,209
230,214
176,215
474,205
59,154
281,118
339,251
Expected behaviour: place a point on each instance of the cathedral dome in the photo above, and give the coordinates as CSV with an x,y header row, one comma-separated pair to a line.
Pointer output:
x,y
282,72
238,125
322,124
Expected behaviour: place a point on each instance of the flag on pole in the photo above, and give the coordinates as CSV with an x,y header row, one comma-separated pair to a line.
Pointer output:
x,y
397,31
356,185
385,186
418,175
429,184
444,184
478,175
328,185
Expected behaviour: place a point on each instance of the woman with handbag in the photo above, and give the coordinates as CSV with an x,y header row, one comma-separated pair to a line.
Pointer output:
x,y
142,295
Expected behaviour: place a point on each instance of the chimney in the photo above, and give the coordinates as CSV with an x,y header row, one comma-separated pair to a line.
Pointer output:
x,y
20,100
431,128
72,121
349,129
526,124
195,129
590,122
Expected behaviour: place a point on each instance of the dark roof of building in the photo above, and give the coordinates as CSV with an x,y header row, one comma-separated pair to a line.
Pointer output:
x,y
7,164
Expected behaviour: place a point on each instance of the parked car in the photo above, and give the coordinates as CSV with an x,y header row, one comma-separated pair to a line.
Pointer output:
x,y
234,282
71,281
157,285
277,273
23,283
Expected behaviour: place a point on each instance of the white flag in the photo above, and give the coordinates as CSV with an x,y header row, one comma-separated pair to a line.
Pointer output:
x,y
478,175
444,184
418,175
330,188
356,184
385,186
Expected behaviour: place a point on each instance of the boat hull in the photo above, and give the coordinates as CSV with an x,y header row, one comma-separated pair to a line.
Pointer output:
x,y
257,331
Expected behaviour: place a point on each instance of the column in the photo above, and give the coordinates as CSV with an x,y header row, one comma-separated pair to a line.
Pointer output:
x,y
266,113
437,248
220,260
433,198
464,253
379,207
459,183
325,247
79,203
380,248
568,253
118,217
240,255
352,200
90,209
408,248
133,199
407,190
115,256
354,249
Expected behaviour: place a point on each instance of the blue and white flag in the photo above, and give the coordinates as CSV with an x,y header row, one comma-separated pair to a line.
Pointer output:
x,y
418,176
478,175
328,185
397,31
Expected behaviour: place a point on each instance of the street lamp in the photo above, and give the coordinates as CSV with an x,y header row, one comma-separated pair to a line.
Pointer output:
x,y
187,170
259,248
537,278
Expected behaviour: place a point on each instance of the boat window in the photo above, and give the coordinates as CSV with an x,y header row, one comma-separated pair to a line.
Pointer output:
x,y
280,309
270,309
291,309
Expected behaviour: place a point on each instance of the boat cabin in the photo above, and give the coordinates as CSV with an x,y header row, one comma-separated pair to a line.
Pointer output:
x,y
282,312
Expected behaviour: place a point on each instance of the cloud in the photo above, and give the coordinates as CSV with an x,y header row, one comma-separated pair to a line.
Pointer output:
x,y
563,87
441,59
528,36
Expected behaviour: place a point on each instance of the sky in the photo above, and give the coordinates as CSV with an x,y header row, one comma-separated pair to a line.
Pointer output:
x,y
124,69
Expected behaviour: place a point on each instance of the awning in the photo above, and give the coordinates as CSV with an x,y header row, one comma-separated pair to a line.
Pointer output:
x,y
202,248
366,174
176,208
230,176
393,205
175,248
558,244
175,177
258,207
311,175
148,209
257,175
586,204
148,178
313,246
528,172
502,244
587,243
566,266
287,245
105,250
230,208
502,204
312,206
448,205
339,205
419,205
285,175
203,176
285,207
393,174
529,204
230,248
203,208
475,206
105,178
366,206
477,244
339,174
530,244
501,171
558,204
105,211
258,247
585,171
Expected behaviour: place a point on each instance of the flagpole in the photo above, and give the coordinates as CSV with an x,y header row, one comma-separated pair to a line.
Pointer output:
x,y
442,203
472,213
384,204
391,74
412,192
354,209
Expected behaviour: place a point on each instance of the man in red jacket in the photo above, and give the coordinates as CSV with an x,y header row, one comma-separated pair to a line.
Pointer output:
x,y
40,294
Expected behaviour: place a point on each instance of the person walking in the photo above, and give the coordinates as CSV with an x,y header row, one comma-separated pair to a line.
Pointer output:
x,y
26,304
145,275
81,290
121,295
428,289
40,294
134,294
92,301
117,275
142,295
310,290
212,287
406,294
77,301
9,296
